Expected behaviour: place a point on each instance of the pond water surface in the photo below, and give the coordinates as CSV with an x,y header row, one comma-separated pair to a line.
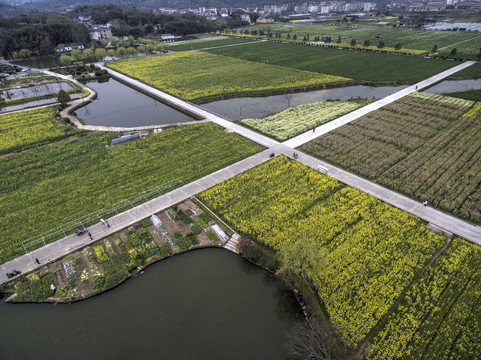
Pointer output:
x,y
205,304
120,105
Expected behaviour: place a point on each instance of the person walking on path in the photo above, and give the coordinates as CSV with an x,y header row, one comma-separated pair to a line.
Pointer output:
x,y
102,221
107,223
425,203
90,236
37,261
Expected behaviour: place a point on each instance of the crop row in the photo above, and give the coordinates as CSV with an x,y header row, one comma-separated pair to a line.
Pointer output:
x,y
55,184
27,128
296,120
439,317
200,76
372,250
358,65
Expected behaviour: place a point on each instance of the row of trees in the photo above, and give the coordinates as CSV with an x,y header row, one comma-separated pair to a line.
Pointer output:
x,y
90,55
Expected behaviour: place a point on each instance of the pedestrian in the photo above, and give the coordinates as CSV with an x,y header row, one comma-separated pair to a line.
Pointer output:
x,y
102,221
314,130
108,225
425,203
90,236
416,87
37,261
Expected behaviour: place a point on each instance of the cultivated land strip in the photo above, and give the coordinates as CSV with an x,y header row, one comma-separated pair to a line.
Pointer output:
x,y
343,120
26,263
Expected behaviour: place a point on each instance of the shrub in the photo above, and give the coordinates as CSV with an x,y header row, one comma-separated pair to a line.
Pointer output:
x,y
183,243
47,280
196,229
177,235
146,223
114,279
201,223
212,237
98,282
192,238
205,216
186,219
165,250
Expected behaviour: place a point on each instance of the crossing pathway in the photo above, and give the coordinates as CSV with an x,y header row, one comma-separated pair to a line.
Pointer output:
x,y
73,242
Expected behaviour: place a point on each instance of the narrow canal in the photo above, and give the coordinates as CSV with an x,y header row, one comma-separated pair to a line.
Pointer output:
x,y
205,304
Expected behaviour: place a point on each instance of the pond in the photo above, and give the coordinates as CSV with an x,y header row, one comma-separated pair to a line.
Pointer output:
x,y
45,62
449,86
260,107
120,105
205,304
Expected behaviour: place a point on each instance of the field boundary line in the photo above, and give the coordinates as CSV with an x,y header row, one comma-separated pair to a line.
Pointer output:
x,y
444,47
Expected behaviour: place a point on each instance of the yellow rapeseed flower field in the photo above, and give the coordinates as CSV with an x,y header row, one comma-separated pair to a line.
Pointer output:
x,y
200,77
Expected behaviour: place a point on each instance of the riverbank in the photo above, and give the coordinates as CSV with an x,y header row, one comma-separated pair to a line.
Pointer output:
x,y
112,260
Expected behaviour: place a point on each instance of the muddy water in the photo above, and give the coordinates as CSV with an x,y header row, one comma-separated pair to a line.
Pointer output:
x,y
206,304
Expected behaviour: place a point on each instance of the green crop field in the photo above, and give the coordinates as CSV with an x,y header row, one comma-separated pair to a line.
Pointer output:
x,y
200,76
205,43
358,65
25,129
298,119
50,185
373,253
425,146
467,44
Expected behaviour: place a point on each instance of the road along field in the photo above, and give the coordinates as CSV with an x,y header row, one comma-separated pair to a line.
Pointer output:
x,y
425,146
467,44
48,186
373,252
201,77
357,65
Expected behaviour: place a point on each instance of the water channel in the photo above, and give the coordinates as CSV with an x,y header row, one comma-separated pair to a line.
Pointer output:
x,y
120,105
205,304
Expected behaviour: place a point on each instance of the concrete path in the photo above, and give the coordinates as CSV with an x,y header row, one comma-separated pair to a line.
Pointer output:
x,y
343,120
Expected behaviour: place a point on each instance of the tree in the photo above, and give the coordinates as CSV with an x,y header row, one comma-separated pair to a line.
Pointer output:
x,y
62,97
434,50
294,37
453,52
76,54
65,59
88,55
479,54
397,46
339,40
303,257
381,44
100,54
367,43
306,341
353,42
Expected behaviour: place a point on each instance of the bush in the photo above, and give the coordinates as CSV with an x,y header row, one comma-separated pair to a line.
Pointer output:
x,y
47,280
205,216
183,243
125,257
192,238
165,250
201,223
99,282
177,235
146,223
114,279
212,237
186,219
196,229
63,97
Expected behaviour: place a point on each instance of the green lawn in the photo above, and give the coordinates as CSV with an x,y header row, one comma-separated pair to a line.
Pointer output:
x,y
50,185
358,65
466,43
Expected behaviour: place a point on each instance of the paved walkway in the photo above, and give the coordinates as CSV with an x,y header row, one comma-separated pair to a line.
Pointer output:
x,y
73,242
343,120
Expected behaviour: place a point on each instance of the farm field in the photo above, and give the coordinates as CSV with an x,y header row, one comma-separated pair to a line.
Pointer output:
x,y
54,184
357,65
473,95
25,129
466,43
425,146
439,317
473,71
296,120
205,43
200,76
372,251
